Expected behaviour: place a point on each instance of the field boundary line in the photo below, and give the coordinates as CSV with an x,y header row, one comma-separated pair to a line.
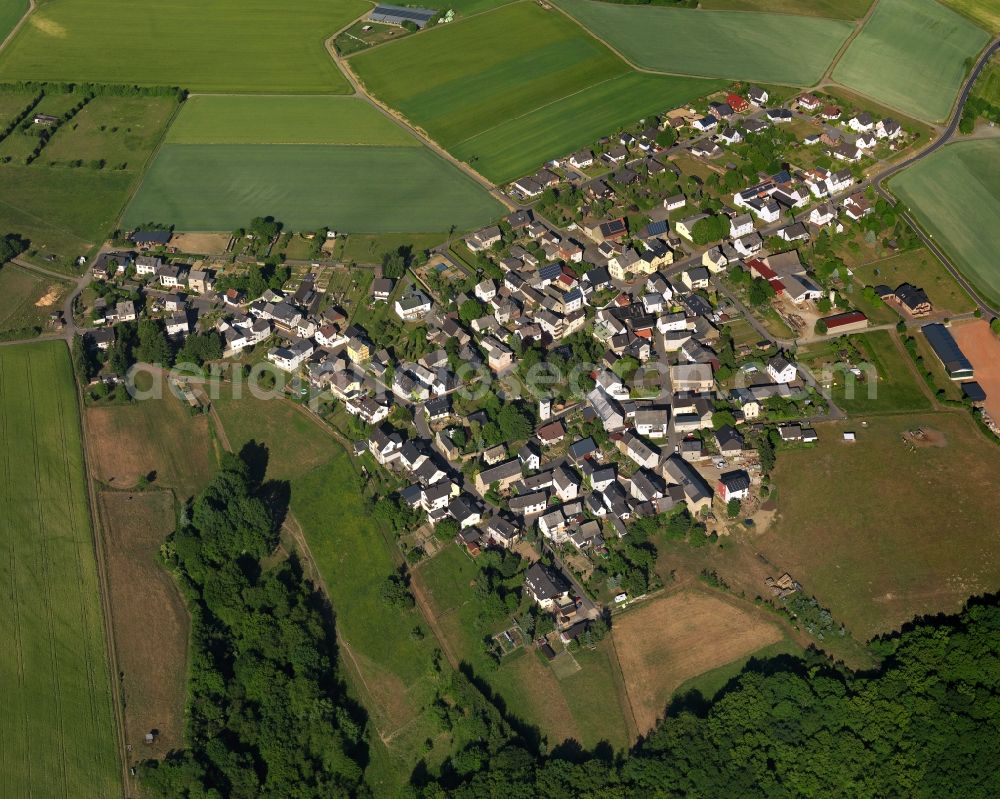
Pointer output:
x,y
859,25
20,24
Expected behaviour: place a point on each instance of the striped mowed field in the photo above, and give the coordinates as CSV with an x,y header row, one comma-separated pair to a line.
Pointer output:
x,y
539,86
56,729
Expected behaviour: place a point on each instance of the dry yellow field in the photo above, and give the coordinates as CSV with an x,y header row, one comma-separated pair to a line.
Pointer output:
x,y
676,637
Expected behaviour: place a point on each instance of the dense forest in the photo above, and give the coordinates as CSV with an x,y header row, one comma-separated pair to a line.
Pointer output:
x,y
268,715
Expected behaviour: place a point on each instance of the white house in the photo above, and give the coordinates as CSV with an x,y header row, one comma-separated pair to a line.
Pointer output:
x,y
412,305
861,123
781,370
290,358
888,129
740,225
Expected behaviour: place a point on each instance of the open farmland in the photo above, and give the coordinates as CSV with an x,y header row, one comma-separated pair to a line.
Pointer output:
x,y
955,195
150,621
911,56
518,145
776,48
881,531
57,726
160,436
835,9
350,189
667,641
536,74
225,46
249,119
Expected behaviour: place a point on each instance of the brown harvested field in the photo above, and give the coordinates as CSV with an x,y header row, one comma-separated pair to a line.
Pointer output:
x,y
673,638
150,622
157,435
201,243
982,347
882,530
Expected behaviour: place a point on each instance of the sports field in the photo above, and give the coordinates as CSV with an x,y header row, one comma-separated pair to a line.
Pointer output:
x,y
536,75
882,531
955,195
57,727
289,119
223,46
351,189
776,48
911,56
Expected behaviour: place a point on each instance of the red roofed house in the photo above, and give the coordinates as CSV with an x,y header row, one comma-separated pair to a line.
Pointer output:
x,y
737,103
846,322
758,268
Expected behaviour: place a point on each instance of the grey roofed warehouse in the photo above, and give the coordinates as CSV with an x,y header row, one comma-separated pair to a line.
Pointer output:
x,y
397,15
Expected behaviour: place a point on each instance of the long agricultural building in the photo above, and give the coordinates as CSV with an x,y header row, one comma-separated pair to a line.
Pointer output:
x,y
397,15
948,352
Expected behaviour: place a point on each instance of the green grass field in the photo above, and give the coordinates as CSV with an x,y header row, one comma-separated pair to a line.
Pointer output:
x,y
118,130
921,269
538,87
225,46
881,532
12,104
988,84
955,195
522,143
834,9
896,388
351,189
911,56
57,727
10,12
66,211
777,48
248,119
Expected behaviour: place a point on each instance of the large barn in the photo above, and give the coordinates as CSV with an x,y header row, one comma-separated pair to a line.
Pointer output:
x,y
397,15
